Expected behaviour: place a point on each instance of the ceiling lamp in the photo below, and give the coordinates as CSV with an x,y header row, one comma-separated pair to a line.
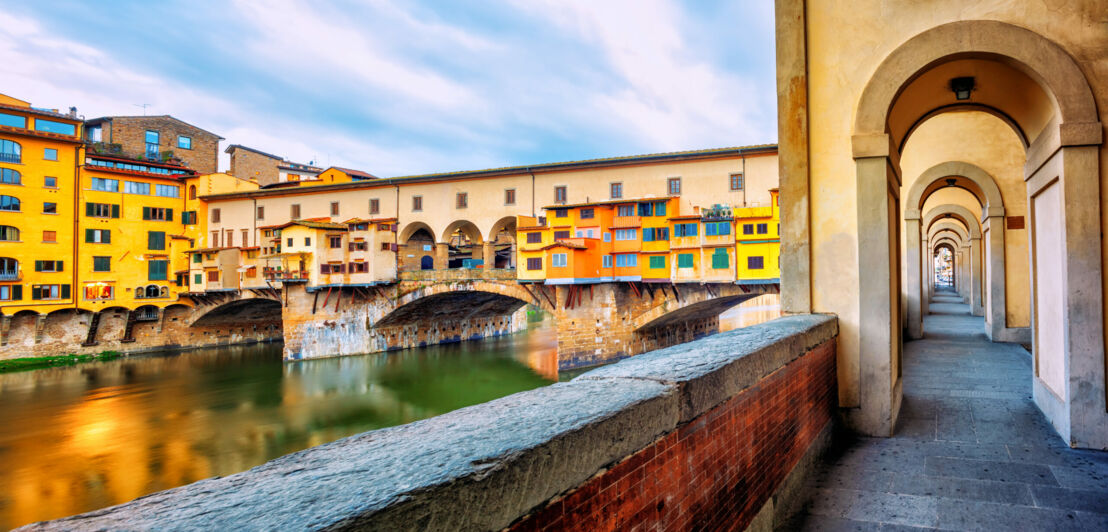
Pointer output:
x,y
962,87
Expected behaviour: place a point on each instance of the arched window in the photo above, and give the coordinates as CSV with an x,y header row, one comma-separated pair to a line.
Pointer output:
x,y
9,203
10,177
140,292
152,290
192,191
8,234
10,152
163,291
9,268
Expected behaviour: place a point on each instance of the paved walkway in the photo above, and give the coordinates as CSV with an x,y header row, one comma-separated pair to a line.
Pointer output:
x,y
971,451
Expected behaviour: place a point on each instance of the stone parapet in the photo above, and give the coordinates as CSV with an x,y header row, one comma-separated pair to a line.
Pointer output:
x,y
699,435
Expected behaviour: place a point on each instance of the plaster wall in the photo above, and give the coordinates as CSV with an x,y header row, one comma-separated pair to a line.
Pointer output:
x,y
1051,346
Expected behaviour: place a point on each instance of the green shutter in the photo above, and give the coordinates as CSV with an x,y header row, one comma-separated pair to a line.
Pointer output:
x,y
720,259
88,209
17,292
88,235
65,291
197,278
169,215
657,261
60,266
36,292
107,236
146,213
38,265
685,260
115,211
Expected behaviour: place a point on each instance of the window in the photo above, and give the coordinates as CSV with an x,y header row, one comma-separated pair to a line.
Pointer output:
x,y
651,234
615,190
9,234
561,235
10,152
13,120
627,260
359,267
246,237
13,292
558,260
155,239
335,242
98,236
509,196
374,206
294,211
290,241
307,241
167,191
106,185
49,266
50,291
736,181
50,126
685,260
646,209
213,276
157,214
607,262
717,228
657,262
188,218
183,142
158,270
196,258
748,229
560,194
607,236
49,208
152,142
132,187
755,263
720,259
685,229
674,186
229,235
534,264
625,210
763,229
417,203
334,208
99,291
103,264
198,278
215,216
588,232
50,236
50,182
626,234
534,238
660,208
10,177
461,200
49,154
588,214
9,203
561,213
192,191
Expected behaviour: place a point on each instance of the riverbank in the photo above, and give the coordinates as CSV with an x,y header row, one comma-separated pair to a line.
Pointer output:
x,y
29,363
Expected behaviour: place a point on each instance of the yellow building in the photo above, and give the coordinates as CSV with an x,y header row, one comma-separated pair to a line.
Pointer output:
x,y
39,153
758,243
322,253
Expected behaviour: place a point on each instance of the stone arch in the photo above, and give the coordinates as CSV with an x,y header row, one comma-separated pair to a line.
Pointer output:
x,y
953,227
957,212
414,227
1070,322
468,228
507,223
512,290
987,191
239,311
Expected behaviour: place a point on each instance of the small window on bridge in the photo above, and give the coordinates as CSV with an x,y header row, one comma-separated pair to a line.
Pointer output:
x,y
558,260
587,214
534,264
560,194
748,229
763,229
561,213
534,238
755,263
559,235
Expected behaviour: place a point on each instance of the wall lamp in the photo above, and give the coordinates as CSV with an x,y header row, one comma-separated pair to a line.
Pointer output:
x,y
950,181
962,87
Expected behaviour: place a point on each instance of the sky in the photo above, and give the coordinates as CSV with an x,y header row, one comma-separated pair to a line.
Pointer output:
x,y
402,88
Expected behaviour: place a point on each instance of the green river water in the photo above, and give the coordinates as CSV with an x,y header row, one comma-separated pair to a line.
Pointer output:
x,y
79,438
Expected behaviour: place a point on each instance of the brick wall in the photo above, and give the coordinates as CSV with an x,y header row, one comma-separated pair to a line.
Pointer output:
x,y
714,472
130,133
246,164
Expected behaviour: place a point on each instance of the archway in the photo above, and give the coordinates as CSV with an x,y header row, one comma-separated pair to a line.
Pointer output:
x,y
416,247
502,244
969,222
1041,88
463,243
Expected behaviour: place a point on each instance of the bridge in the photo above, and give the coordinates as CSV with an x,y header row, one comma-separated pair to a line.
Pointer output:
x,y
595,323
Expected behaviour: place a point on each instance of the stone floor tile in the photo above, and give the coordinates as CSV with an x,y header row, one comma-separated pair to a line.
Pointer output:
x,y
1071,499
916,428
895,508
1080,478
986,516
819,523
966,489
940,466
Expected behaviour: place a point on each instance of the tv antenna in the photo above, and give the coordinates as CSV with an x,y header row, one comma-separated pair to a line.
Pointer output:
x,y
143,105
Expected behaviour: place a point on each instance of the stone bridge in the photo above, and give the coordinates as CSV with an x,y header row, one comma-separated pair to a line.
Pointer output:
x,y
595,323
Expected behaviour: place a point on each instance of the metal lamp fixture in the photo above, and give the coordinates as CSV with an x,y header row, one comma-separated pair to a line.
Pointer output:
x,y
962,87
950,181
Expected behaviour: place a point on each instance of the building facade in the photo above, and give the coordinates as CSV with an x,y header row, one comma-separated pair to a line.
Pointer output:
x,y
155,138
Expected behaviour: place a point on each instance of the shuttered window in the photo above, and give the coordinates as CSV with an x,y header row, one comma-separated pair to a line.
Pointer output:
x,y
155,240
158,270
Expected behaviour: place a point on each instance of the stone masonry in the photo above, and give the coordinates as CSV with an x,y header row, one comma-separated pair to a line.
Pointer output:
x,y
130,133
248,163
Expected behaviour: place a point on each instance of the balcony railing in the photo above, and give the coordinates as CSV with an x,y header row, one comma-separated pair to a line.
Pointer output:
x,y
10,158
10,275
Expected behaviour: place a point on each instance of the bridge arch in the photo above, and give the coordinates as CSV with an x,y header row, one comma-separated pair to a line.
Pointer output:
x,y
465,228
1039,85
238,311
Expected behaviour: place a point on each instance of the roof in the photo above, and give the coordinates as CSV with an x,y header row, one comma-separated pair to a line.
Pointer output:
x,y
41,112
740,151
209,250
620,201
110,118
563,243
314,224
353,172
233,147
298,167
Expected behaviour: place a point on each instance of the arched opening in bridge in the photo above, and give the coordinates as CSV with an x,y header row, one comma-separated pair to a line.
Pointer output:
x,y
1040,93
416,247
443,314
944,268
240,313
500,251
464,245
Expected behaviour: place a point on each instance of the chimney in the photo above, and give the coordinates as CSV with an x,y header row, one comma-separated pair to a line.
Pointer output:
x,y
72,112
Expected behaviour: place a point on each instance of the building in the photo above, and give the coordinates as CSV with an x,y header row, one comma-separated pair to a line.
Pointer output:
x,y
267,169
758,242
40,151
322,253
155,138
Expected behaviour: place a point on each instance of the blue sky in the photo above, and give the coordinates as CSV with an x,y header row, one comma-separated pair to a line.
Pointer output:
x,y
398,88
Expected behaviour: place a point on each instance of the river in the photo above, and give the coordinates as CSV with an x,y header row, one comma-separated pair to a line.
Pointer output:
x,y
79,438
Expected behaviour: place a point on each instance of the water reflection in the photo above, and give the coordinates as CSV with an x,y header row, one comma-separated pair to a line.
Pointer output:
x,y
80,438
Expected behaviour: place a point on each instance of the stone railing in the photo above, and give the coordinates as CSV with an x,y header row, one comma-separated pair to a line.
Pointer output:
x,y
712,434
460,274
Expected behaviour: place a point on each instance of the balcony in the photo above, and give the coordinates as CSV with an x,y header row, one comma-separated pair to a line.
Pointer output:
x,y
626,222
10,158
11,275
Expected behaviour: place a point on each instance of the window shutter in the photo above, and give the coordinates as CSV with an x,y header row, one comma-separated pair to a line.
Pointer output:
x,y
88,235
36,292
115,211
323,268
88,209
38,265
65,291
60,266
169,215
151,241
17,292
107,236
394,247
146,213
